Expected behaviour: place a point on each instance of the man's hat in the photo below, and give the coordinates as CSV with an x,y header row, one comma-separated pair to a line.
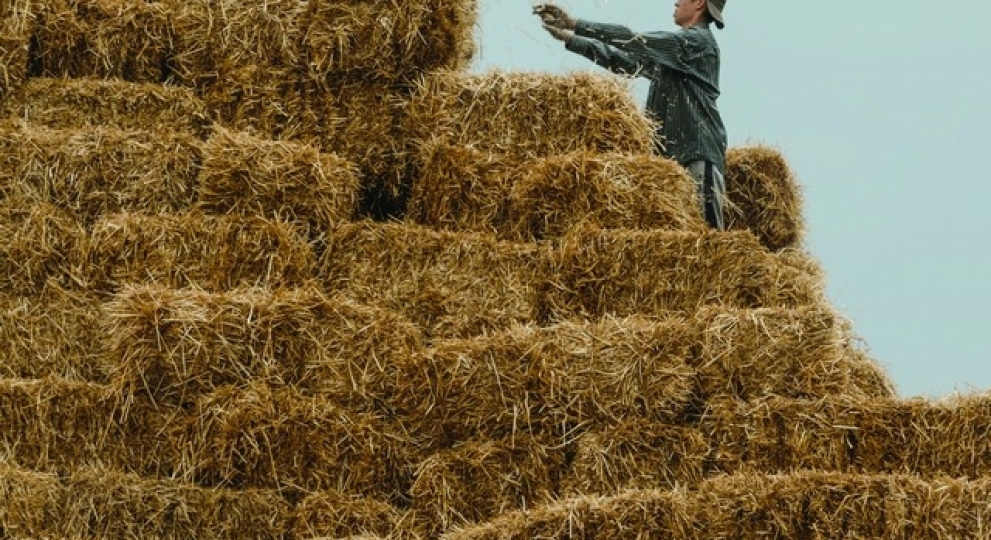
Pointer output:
x,y
716,8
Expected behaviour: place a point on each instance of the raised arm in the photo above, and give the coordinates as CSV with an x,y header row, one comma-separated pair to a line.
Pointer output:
x,y
669,49
605,55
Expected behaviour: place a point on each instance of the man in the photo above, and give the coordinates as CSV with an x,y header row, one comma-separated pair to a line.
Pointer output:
x,y
683,68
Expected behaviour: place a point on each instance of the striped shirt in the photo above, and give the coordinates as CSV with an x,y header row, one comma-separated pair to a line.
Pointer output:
x,y
683,68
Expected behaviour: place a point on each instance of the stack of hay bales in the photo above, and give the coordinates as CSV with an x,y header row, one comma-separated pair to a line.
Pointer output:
x,y
201,337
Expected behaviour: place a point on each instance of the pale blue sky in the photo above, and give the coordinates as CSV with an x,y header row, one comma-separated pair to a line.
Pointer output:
x,y
882,109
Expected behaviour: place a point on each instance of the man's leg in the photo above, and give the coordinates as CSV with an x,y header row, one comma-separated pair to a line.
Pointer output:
x,y
712,191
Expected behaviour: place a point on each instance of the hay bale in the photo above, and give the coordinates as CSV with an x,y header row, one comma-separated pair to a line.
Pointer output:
x,y
14,41
173,345
528,115
51,334
554,381
350,38
78,103
104,503
463,188
636,453
215,38
450,284
120,39
619,272
333,514
282,440
750,354
764,197
30,502
97,171
281,180
480,480
215,253
40,247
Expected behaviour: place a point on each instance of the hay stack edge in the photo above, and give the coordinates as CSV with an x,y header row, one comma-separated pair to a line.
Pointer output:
x,y
260,280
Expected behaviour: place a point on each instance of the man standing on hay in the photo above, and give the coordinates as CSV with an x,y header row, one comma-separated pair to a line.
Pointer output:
x,y
683,68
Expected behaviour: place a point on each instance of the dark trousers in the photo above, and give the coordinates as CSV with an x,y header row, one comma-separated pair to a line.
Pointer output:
x,y
712,191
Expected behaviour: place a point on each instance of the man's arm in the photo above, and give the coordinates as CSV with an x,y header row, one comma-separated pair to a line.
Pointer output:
x,y
604,55
652,48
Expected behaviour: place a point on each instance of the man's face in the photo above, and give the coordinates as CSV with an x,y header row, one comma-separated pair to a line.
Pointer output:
x,y
685,10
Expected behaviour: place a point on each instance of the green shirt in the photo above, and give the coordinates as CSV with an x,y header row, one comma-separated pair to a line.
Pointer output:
x,y
683,69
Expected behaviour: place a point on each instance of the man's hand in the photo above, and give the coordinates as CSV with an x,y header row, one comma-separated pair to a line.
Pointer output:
x,y
559,34
554,16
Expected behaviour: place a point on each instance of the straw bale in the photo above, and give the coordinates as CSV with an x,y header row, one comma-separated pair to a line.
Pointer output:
x,y
214,38
636,453
14,41
173,345
555,381
97,171
528,115
480,480
39,247
450,284
621,272
333,514
612,191
868,378
120,39
215,253
51,334
30,502
805,505
387,41
750,354
764,197
279,439
77,103
104,503
282,180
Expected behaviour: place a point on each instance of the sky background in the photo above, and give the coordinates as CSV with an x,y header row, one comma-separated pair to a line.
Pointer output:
x,y
882,110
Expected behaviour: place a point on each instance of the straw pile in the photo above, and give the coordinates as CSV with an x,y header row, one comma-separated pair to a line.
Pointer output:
x,y
387,41
528,115
102,38
14,41
842,433
30,502
764,197
173,345
805,505
462,188
40,243
556,381
280,180
97,171
597,272
280,439
51,334
636,453
478,481
449,284
333,514
76,103
214,253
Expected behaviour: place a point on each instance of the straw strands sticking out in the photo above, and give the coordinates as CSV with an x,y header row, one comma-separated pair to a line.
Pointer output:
x,y
764,197
636,453
462,188
809,504
845,433
194,250
556,381
283,180
480,480
30,502
528,115
97,171
450,284
333,514
173,345
597,272
280,439
120,39
75,103
41,243
51,334
14,42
